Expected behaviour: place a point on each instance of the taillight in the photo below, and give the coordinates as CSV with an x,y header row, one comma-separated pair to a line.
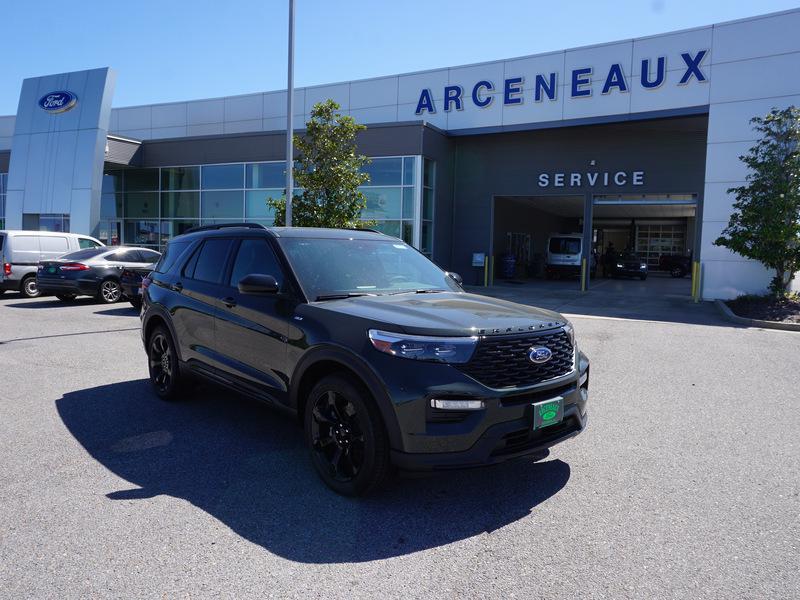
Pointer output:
x,y
74,267
6,268
146,281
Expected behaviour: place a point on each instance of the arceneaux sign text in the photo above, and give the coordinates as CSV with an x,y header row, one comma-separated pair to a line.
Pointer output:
x,y
545,85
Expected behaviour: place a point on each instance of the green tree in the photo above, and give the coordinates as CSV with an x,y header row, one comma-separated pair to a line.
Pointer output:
x,y
765,224
328,170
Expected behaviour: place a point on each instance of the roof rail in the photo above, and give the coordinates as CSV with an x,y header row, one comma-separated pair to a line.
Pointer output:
x,y
225,226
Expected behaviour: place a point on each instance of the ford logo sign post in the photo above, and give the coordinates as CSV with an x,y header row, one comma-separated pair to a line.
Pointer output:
x,y
540,355
57,102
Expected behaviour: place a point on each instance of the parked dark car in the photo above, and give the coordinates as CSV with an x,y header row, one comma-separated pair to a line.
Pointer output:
x,y
383,357
627,265
91,272
131,282
675,264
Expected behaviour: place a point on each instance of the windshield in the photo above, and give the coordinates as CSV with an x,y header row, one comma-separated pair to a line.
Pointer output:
x,y
84,254
565,245
340,267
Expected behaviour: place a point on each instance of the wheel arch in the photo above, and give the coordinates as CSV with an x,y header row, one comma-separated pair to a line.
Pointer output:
x,y
322,362
153,319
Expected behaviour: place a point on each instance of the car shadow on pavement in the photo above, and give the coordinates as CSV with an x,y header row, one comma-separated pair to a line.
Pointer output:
x,y
52,302
245,464
126,310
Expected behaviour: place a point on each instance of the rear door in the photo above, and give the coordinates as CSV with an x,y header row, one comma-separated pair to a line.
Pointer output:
x,y
252,329
193,316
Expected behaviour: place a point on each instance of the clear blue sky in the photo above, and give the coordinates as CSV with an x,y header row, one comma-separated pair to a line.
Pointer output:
x,y
170,50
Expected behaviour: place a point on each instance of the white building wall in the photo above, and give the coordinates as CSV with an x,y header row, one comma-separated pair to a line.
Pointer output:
x,y
755,65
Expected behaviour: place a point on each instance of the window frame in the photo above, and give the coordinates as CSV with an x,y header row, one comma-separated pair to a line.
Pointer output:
x,y
235,254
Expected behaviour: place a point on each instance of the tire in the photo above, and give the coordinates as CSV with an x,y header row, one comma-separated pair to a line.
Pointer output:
x,y
163,365
28,287
346,437
66,297
135,302
110,292
642,277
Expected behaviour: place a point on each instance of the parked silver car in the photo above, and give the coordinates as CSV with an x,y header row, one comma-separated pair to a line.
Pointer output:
x,y
21,252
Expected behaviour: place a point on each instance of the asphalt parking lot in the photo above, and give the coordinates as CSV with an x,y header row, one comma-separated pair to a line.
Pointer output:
x,y
685,485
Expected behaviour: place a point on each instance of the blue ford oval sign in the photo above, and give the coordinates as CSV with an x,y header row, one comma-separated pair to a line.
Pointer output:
x,y
57,102
540,355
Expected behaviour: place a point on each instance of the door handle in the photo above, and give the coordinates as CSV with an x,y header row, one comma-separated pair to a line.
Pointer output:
x,y
178,287
229,302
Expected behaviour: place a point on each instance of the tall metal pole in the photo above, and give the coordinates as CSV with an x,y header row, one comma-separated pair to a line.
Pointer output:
x,y
289,119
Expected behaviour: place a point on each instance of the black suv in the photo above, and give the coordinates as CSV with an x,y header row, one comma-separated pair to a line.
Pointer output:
x,y
382,355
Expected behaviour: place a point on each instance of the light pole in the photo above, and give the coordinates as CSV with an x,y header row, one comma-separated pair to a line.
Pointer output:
x,y
289,117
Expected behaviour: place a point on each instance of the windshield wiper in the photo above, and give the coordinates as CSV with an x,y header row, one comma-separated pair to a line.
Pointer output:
x,y
342,296
420,291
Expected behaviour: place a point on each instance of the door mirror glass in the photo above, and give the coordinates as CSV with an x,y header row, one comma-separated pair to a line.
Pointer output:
x,y
256,283
456,277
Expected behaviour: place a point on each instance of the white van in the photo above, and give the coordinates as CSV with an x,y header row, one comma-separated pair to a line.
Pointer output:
x,y
564,255
21,251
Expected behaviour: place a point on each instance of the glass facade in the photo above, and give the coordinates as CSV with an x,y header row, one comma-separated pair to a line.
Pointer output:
x,y
3,187
147,207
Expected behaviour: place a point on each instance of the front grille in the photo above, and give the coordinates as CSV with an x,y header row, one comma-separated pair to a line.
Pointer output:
x,y
502,361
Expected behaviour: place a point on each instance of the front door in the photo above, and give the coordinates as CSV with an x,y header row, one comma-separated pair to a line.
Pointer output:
x,y
252,329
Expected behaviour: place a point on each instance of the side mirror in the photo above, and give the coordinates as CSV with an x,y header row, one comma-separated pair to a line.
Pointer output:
x,y
256,283
456,277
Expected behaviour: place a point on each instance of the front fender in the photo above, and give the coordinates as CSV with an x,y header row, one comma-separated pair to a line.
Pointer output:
x,y
352,362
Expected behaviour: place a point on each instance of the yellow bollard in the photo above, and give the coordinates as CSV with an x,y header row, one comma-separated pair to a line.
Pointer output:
x,y
583,274
485,271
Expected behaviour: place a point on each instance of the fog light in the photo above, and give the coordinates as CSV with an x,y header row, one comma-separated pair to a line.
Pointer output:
x,y
583,379
457,404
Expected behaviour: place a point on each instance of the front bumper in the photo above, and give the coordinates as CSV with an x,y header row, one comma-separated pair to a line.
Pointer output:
x,y
501,431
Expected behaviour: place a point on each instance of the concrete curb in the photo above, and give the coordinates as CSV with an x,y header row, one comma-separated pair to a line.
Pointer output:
x,y
731,316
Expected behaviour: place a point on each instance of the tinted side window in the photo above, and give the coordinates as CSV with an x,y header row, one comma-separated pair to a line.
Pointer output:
x,y
255,256
149,256
132,256
211,260
171,255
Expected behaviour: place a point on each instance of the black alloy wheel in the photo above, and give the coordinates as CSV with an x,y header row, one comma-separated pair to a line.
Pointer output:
x,y
163,364
346,436
110,292
29,288
677,272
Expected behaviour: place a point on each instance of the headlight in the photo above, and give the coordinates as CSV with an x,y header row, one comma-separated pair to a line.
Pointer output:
x,y
620,266
643,266
418,347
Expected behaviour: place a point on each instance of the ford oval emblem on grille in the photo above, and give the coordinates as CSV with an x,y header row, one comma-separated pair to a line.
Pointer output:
x,y
540,355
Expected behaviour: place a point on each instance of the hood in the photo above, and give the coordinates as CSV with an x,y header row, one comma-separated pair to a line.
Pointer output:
x,y
447,313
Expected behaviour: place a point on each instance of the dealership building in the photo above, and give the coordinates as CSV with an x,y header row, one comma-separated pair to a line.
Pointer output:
x,y
632,143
